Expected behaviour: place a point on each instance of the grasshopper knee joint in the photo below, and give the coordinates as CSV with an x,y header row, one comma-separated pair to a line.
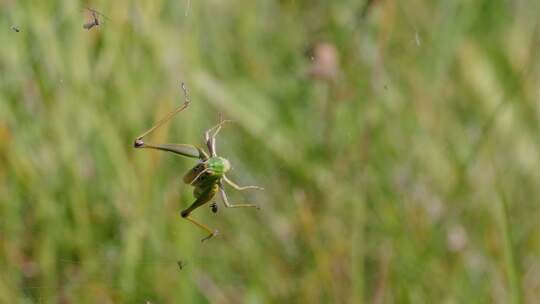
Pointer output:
x,y
138,143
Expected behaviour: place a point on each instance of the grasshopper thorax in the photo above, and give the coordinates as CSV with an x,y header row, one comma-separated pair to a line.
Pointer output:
x,y
217,165
208,170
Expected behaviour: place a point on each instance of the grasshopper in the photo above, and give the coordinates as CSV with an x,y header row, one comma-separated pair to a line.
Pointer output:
x,y
208,175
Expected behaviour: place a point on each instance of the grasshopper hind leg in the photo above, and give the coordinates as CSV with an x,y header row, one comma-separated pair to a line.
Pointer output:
x,y
211,233
201,200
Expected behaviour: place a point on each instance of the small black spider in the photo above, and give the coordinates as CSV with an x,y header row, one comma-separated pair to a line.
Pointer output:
x,y
214,207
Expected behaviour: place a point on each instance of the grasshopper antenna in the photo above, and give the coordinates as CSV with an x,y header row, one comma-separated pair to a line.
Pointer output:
x,y
186,93
139,140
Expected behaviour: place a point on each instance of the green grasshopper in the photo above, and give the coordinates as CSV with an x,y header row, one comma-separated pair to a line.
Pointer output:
x,y
208,175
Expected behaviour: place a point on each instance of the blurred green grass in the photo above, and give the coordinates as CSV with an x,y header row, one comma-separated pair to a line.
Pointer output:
x,y
411,178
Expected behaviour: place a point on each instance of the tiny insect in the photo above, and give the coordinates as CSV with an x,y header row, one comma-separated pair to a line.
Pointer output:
x,y
208,175
95,19
180,264
214,207
16,29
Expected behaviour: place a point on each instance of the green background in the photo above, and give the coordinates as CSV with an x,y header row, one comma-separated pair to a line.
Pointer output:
x,y
412,176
